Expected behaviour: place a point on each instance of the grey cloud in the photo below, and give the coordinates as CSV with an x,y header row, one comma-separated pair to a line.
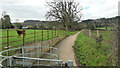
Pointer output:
x,y
18,9
24,11
119,8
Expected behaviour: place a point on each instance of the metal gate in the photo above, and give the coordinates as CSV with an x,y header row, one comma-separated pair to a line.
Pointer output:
x,y
31,56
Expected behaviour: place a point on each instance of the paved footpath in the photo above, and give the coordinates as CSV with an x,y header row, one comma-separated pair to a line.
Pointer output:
x,y
66,49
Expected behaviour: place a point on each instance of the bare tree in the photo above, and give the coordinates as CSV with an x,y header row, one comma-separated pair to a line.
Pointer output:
x,y
64,12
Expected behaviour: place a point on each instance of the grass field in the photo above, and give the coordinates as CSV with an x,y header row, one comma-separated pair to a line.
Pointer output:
x,y
88,53
29,37
107,35
108,28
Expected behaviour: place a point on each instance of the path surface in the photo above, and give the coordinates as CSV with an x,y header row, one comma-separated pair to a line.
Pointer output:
x,y
66,49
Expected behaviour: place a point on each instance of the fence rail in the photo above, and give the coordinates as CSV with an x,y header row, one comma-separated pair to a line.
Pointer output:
x,y
24,55
35,35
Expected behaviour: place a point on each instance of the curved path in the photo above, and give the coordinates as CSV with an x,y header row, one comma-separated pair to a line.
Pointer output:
x,y
66,49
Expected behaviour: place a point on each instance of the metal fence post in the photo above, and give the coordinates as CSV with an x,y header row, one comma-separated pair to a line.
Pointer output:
x,y
50,53
42,34
23,46
23,38
48,32
8,44
61,63
52,32
38,51
41,48
8,40
10,61
23,54
38,54
58,54
34,35
55,32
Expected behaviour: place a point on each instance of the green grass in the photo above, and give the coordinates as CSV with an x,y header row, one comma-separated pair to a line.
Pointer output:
x,y
0,45
107,35
88,53
71,33
108,28
29,38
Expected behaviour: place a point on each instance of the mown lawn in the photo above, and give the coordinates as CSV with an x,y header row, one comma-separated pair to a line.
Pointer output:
x,y
88,53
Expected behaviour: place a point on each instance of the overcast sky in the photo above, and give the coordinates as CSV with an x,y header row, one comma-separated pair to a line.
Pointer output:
x,y
36,9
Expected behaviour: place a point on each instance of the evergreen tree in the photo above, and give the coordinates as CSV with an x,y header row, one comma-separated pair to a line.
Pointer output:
x,y
5,22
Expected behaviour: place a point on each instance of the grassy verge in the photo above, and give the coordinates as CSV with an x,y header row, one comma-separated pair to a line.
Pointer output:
x,y
88,53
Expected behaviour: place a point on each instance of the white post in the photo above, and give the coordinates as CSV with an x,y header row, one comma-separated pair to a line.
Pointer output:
x,y
97,32
38,54
23,54
10,61
61,63
70,63
89,33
